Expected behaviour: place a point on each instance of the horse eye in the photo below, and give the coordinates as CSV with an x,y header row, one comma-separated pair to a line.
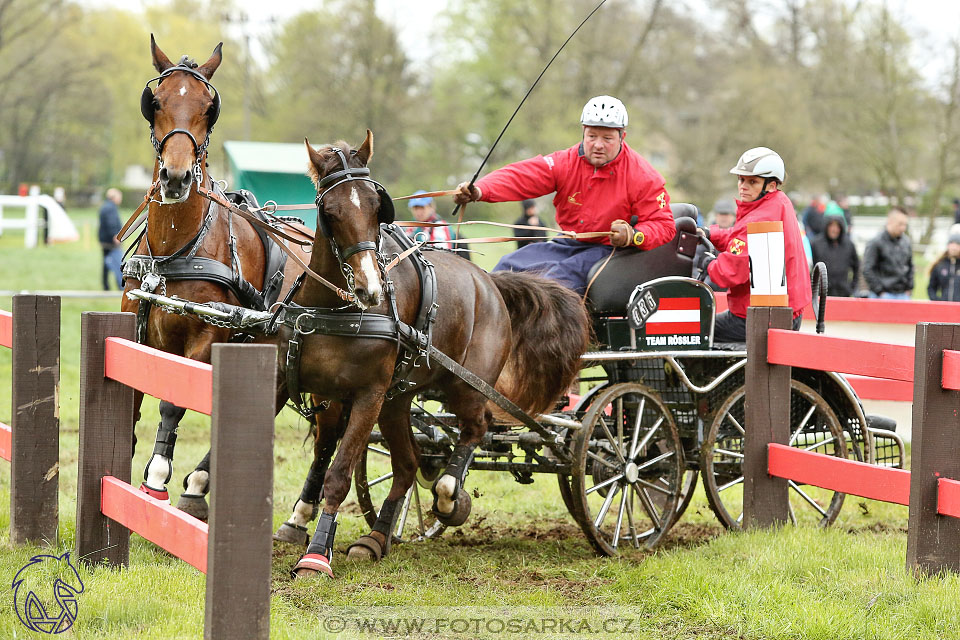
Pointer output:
x,y
156,103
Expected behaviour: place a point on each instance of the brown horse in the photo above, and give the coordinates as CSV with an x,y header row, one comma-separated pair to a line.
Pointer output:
x,y
523,331
187,234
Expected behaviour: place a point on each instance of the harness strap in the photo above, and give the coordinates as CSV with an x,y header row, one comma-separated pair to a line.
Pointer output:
x,y
135,220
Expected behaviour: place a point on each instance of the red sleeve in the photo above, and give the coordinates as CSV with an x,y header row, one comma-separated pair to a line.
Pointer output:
x,y
518,181
729,270
654,218
720,237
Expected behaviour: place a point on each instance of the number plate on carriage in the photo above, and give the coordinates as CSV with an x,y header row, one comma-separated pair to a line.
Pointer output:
x,y
672,313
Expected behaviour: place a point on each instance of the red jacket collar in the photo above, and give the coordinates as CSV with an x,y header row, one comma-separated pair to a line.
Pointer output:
x,y
749,207
624,151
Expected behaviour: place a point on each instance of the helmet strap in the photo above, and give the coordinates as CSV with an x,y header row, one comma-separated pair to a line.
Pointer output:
x,y
766,183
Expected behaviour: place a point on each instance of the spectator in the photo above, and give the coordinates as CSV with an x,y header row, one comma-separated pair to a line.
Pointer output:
x,y
835,249
844,203
888,260
724,213
107,233
956,211
812,217
424,210
944,283
528,218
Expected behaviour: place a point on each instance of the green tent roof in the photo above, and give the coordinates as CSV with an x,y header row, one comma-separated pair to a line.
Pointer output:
x,y
272,171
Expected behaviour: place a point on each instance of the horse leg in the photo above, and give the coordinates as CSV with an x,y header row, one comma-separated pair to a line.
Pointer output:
x,y
160,468
404,456
336,485
196,485
328,427
451,504
137,403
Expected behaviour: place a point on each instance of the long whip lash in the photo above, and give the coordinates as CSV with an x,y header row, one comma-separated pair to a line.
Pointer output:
x,y
529,91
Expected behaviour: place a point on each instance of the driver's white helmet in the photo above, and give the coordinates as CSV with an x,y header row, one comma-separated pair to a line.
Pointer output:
x,y
604,111
760,161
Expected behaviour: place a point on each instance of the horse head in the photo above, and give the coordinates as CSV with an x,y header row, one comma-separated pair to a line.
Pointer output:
x,y
181,111
350,208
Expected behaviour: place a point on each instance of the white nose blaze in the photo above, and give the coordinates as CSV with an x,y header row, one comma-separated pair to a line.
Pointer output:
x,y
371,277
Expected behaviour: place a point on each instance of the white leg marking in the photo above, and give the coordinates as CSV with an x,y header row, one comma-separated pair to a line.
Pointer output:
x,y
198,483
445,497
157,471
301,513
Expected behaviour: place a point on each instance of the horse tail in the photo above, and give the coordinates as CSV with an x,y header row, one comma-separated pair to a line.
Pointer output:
x,y
551,330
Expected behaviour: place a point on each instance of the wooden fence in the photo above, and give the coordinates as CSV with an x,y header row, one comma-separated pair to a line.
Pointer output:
x,y
929,488
238,392
31,443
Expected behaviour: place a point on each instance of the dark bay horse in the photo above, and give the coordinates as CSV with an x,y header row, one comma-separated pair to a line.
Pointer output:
x,y
520,332
186,227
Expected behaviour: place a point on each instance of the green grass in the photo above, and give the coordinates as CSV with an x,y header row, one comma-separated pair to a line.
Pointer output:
x,y
520,556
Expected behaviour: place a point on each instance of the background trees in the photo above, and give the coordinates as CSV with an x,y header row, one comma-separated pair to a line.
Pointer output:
x,y
832,84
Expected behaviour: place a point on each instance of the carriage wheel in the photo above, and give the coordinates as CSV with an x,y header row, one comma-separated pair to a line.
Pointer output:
x,y
627,474
814,426
372,478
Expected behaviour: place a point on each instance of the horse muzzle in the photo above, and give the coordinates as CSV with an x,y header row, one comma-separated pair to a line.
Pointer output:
x,y
175,185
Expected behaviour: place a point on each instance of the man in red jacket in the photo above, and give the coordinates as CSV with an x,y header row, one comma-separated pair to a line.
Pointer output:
x,y
600,183
760,172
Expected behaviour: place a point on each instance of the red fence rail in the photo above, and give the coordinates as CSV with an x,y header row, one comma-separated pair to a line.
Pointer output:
x,y
909,312
31,442
237,390
934,368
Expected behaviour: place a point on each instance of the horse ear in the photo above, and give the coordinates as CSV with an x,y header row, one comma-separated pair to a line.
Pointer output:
x,y
160,60
365,152
316,161
208,67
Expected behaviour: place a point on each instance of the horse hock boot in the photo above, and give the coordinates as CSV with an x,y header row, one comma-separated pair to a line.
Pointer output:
x,y
451,504
159,470
320,552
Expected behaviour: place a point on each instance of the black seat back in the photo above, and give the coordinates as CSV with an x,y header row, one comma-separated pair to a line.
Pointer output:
x,y
627,268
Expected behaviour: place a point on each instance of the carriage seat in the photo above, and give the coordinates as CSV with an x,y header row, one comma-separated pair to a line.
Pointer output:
x,y
627,268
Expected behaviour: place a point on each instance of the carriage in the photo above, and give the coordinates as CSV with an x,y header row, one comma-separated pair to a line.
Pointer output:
x,y
663,408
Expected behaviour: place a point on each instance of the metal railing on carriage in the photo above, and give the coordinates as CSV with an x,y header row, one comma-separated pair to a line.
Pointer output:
x,y
31,442
237,392
930,488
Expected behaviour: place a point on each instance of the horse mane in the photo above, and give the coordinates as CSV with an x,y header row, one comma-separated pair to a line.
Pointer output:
x,y
187,61
313,172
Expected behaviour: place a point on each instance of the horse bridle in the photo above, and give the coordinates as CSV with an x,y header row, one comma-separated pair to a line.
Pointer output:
x,y
385,213
149,112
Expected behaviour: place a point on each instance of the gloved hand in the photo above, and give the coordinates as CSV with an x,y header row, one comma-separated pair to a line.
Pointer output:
x,y
705,231
467,193
705,259
623,233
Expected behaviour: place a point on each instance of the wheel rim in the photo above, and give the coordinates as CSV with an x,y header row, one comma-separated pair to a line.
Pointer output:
x,y
814,426
627,474
372,480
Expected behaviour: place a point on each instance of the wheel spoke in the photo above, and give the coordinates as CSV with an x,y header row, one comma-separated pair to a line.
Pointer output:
x,y
620,417
811,501
604,462
736,424
653,461
374,449
803,423
649,507
636,427
727,452
791,514
402,521
732,483
603,484
382,478
623,504
821,443
606,506
612,440
632,525
654,487
646,438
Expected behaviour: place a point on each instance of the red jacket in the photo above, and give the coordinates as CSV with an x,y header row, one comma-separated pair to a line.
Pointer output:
x,y
589,198
439,236
732,267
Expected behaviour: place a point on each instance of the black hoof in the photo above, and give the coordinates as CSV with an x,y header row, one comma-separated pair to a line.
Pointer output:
x,y
292,533
195,505
460,513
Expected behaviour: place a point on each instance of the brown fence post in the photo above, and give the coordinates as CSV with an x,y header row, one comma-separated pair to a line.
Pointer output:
x,y
933,541
35,466
106,439
767,416
240,541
